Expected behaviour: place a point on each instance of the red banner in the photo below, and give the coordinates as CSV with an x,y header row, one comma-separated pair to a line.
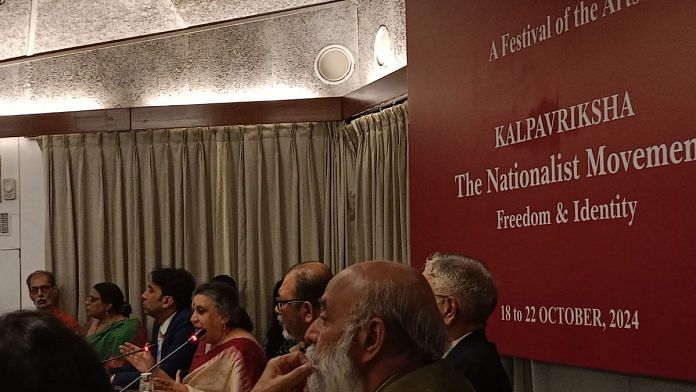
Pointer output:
x,y
556,141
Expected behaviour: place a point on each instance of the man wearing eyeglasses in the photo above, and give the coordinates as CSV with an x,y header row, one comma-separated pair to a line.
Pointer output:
x,y
298,296
44,293
466,296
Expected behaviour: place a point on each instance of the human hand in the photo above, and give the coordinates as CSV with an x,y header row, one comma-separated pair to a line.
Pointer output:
x,y
166,384
141,361
286,373
116,363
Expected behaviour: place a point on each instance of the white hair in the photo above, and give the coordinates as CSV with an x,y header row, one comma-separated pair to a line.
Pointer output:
x,y
334,371
466,279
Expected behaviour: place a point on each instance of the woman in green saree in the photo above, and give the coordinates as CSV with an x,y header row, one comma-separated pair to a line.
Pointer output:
x,y
110,326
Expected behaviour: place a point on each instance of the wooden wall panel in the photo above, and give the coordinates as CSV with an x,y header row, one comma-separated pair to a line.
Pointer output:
x,y
240,113
378,92
66,122
392,86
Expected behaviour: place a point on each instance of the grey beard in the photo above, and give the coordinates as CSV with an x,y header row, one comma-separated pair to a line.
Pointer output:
x,y
333,369
286,334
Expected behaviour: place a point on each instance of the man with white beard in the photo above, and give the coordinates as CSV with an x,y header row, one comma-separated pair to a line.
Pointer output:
x,y
379,331
298,296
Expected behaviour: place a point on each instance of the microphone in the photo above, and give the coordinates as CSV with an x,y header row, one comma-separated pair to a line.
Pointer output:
x,y
146,347
193,339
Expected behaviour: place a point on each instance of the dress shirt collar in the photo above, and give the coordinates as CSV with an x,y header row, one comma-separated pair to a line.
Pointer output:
x,y
456,342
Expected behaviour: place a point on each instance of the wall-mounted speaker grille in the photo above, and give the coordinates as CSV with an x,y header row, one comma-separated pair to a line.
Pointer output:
x,y
4,224
334,64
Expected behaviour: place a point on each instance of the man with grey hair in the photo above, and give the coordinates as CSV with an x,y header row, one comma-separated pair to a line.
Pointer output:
x,y
466,296
44,293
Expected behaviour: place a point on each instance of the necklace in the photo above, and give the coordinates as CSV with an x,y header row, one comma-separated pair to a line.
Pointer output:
x,y
101,326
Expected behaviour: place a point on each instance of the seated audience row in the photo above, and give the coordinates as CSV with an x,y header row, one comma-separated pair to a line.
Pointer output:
x,y
375,326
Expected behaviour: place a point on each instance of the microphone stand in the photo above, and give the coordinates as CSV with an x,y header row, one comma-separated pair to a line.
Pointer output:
x,y
147,347
192,339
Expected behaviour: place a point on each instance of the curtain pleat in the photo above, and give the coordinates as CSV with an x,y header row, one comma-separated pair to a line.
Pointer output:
x,y
381,175
249,201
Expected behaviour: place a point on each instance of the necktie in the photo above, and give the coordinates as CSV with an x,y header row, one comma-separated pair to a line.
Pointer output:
x,y
160,339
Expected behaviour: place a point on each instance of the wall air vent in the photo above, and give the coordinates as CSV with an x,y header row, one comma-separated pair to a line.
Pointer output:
x,y
4,224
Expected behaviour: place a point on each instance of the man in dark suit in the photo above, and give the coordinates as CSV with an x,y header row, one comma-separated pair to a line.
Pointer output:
x,y
167,299
466,296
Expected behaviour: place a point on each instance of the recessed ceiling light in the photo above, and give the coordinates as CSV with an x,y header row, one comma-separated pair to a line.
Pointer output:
x,y
334,64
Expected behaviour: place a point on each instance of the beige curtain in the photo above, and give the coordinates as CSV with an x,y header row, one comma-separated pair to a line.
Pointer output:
x,y
248,201
380,144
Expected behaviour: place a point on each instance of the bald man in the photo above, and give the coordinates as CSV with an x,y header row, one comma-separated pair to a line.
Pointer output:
x,y
379,330
298,298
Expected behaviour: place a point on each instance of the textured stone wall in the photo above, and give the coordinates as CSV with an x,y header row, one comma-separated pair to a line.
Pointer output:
x,y
14,21
371,15
61,24
266,57
271,58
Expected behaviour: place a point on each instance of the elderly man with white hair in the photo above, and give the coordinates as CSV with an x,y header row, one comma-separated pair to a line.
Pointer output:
x,y
466,296
379,330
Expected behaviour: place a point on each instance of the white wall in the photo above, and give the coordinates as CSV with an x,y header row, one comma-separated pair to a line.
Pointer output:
x,y
32,212
10,274
23,251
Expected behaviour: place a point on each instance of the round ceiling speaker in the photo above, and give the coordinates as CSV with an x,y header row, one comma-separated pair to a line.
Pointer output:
x,y
334,64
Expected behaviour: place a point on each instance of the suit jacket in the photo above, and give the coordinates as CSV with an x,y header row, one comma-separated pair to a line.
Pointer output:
x,y
478,360
179,331
439,376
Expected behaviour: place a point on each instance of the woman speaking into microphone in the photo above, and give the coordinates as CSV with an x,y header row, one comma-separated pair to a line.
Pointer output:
x,y
231,361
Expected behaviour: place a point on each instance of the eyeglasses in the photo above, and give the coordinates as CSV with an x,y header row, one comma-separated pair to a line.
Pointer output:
x,y
91,299
280,305
438,296
37,289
